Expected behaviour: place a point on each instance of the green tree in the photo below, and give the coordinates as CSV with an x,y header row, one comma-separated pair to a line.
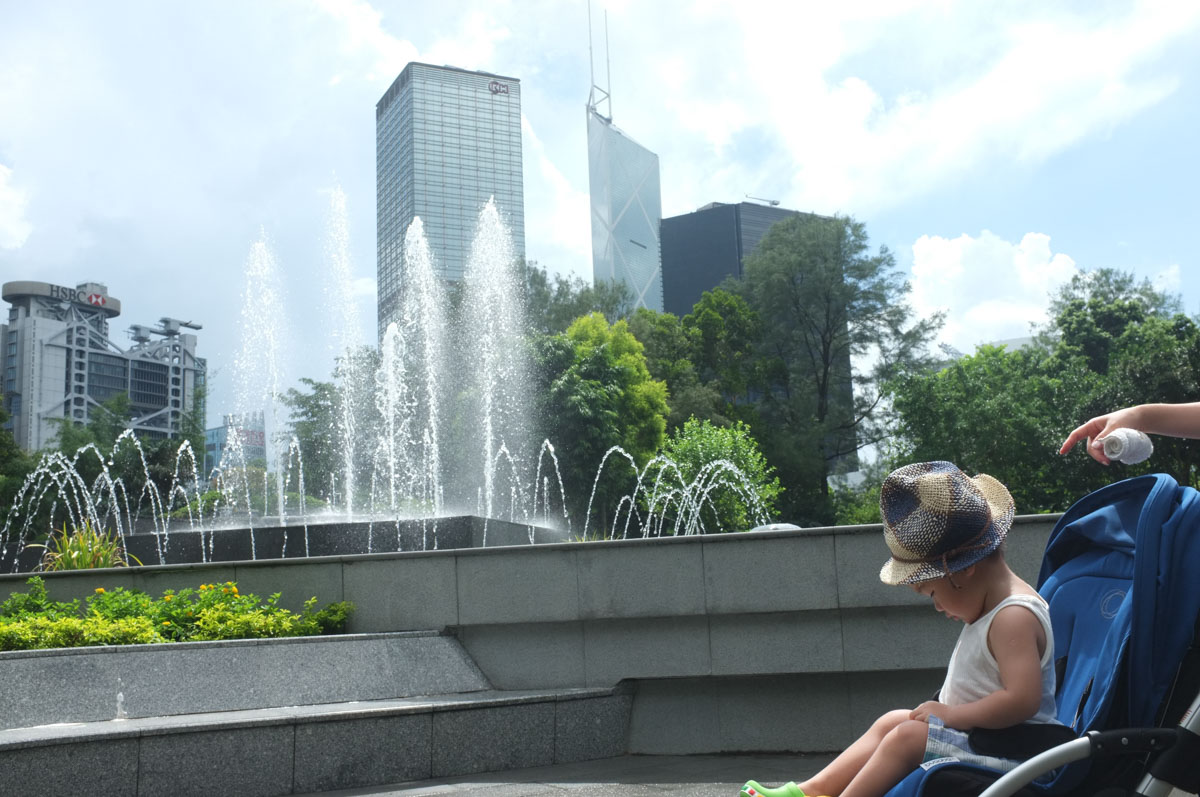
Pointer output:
x,y
1110,286
331,420
823,299
110,420
1156,360
193,424
553,303
740,500
726,334
314,421
1001,413
670,348
596,393
1006,412
642,402
15,467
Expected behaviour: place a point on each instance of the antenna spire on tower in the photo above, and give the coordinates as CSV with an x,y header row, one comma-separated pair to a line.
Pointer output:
x,y
597,95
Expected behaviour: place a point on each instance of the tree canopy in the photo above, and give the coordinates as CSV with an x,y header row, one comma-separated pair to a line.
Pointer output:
x,y
1112,343
703,450
552,303
596,393
824,302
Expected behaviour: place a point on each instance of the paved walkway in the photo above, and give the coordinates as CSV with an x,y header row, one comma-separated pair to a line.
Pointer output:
x,y
626,776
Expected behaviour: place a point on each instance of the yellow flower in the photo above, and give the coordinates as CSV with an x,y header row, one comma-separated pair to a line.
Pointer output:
x,y
99,590
167,597
166,622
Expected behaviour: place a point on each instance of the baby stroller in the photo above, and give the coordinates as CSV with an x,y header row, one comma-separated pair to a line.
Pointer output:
x,y
1122,575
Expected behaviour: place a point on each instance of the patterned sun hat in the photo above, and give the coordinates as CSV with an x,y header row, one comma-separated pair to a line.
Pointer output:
x,y
937,520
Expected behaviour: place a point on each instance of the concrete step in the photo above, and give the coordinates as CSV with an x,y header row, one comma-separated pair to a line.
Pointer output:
x,y
314,748
75,685
281,716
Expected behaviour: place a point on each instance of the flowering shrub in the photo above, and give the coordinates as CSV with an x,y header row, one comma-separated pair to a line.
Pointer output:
x,y
123,617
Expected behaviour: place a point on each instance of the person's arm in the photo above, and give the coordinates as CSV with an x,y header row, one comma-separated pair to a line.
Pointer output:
x,y
1013,640
1174,420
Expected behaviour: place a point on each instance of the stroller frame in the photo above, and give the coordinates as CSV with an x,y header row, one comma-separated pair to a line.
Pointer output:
x,y
1174,767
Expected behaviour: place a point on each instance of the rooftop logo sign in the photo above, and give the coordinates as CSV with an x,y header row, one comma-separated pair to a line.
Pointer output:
x,y
496,87
63,293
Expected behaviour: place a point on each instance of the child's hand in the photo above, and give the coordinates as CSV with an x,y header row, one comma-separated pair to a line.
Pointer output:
x,y
930,708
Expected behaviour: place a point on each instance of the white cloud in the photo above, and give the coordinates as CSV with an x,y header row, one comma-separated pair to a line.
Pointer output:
x,y
363,31
557,215
856,109
1168,280
14,226
989,288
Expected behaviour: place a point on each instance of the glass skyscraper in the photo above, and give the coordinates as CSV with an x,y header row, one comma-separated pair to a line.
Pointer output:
x,y
446,140
626,211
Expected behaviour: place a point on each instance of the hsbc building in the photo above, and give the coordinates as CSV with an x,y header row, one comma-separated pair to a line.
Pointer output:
x,y
59,364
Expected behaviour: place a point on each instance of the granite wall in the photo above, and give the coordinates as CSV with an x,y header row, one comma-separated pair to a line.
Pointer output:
x,y
778,640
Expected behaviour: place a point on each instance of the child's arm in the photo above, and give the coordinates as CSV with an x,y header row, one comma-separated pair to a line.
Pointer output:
x,y
1175,420
1013,639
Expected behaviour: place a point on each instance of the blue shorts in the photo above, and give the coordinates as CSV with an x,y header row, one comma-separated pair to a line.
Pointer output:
x,y
949,744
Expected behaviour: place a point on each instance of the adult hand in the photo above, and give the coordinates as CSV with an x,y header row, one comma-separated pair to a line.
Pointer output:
x,y
1095,430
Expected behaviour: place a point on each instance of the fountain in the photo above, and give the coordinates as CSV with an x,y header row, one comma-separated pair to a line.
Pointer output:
x,y
425,429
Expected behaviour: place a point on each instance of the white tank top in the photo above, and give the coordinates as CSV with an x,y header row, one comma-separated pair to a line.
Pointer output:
x,y
974,674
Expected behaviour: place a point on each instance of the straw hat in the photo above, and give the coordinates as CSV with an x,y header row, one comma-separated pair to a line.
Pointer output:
x,y
937,520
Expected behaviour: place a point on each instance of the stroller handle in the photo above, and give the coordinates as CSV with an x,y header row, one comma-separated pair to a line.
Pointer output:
x,y
1128,741
1040,764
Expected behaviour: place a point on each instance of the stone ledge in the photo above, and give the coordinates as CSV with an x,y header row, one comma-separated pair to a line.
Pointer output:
x,y
300,750
65,732
133,681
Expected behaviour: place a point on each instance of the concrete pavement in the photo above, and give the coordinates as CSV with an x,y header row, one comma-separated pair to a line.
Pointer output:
x,y
624,776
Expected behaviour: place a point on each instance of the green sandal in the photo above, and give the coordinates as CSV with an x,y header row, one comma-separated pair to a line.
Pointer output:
x,y
753,789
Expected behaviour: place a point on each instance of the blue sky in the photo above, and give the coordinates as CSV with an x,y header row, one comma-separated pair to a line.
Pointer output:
x,y
995,148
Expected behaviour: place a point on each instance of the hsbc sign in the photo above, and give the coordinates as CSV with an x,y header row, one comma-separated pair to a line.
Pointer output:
x,y
496,87
62,292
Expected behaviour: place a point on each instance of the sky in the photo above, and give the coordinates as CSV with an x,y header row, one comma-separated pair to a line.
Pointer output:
x,y
162,148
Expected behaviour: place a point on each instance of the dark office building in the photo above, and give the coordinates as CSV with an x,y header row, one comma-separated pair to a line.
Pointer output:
x,y
701,249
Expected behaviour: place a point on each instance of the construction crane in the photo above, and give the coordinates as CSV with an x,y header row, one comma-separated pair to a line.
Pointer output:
x,y
772,202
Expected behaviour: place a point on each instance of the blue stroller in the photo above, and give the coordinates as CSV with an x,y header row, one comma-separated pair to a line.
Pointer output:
x,y
1122,575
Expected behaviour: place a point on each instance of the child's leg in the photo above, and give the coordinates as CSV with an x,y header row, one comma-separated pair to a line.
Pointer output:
x,y
898,754
834,778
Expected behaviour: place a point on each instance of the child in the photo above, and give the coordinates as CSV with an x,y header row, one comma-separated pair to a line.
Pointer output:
x,y
945,531
1176,420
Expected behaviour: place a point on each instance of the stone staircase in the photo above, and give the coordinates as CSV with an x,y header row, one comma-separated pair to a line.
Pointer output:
x,y
291,716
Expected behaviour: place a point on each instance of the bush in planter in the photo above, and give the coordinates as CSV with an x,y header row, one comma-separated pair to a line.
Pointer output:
x,y
36,632
122,617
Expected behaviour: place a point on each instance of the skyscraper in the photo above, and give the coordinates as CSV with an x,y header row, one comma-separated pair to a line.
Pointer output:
x,y
702,248
60,364
446,140
626,211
